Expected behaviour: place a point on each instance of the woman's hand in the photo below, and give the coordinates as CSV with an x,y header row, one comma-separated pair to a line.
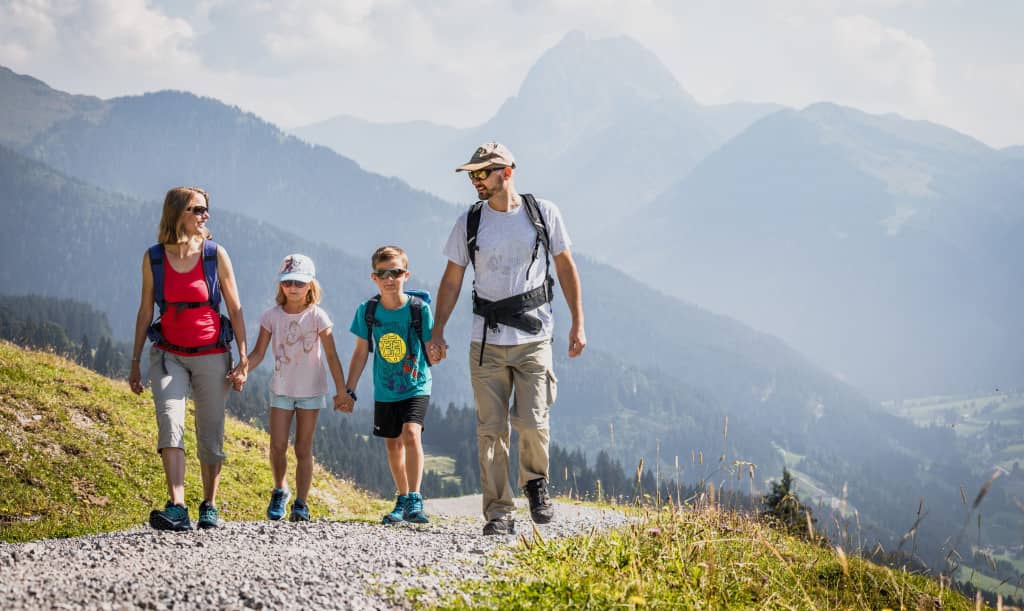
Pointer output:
x,y
135,378
238,375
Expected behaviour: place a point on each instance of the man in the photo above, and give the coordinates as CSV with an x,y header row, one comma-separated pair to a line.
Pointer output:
x,y
508,238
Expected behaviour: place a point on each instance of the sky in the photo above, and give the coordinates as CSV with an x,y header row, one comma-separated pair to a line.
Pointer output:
x,y
295,62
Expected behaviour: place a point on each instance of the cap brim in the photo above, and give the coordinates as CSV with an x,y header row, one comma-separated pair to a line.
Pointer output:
x,y
295,276
469,167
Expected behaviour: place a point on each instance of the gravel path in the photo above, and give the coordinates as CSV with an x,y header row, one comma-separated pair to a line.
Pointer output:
x,y
262,565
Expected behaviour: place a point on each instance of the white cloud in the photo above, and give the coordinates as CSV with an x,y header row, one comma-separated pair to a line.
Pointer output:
x,y
451,61
886,60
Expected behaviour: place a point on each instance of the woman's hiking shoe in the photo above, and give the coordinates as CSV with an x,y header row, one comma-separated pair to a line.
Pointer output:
x,y
173,517
300,511
541,509
209,517
398,513
505,525
278,500
414,509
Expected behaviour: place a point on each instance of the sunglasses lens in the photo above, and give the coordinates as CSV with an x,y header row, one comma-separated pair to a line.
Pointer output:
x,y
385,274
295,283
198,210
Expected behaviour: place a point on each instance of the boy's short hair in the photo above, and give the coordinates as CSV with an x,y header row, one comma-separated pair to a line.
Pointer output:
x,y
388,253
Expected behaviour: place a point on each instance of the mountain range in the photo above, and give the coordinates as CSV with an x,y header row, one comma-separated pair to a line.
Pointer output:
x,y
661,375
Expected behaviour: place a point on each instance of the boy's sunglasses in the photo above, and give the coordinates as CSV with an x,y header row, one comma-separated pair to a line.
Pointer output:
x,y
296,283
384,274
483,174
198,210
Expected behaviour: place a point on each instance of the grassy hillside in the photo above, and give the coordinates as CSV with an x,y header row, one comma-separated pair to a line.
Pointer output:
x,y
699,559
77,456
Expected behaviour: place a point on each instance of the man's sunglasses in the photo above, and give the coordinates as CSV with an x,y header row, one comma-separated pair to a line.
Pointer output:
x,y
198,210
384,274
482,174
296,283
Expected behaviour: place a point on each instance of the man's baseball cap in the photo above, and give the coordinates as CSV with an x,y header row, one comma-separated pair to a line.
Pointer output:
x,y
297,267
487,155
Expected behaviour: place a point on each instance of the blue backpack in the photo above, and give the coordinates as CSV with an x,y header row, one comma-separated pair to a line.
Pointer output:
x,y
416,300
156,266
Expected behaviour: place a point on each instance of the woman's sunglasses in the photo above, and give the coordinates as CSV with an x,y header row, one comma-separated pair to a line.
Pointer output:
x,y
482,174
384,274
296,283
198,210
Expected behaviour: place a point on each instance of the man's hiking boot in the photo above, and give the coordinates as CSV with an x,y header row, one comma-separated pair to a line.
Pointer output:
x,y
398,513
541,509
173,517
505,525
414,509
209,517
278,500
300,511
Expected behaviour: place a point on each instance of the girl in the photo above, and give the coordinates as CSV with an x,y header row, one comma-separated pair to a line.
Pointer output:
x,y
301,332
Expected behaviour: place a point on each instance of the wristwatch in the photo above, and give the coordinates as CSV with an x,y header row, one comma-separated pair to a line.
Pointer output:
x,y
351,393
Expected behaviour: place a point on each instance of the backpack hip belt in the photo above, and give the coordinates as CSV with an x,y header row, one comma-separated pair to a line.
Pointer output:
x,y
513,311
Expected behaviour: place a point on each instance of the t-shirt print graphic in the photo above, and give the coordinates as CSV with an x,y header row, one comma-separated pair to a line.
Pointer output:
x,y
294,340
393,350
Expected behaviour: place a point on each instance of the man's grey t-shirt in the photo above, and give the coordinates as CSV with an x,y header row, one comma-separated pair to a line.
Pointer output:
x,y
506,241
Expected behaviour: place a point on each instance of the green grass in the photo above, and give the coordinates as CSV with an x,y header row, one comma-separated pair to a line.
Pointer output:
x,y
988,583
697,559
78,456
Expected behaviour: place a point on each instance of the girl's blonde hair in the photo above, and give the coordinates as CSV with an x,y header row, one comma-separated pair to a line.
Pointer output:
x,y
175,203
313,296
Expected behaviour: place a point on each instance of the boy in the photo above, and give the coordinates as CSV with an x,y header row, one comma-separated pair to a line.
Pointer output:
x,y
401,375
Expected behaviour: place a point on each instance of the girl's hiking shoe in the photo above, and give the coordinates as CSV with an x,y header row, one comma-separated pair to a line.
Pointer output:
x,y
414,509
398,513
541,509
173,517
278,500
209,517
300,511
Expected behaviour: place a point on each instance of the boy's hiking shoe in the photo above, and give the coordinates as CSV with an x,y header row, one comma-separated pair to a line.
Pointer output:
x,y
500,526
414,509
300,511
173,517
541,509
278,500
209,517
398,513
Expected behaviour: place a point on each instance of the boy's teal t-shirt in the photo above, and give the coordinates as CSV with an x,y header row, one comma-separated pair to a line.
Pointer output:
x,y
400,367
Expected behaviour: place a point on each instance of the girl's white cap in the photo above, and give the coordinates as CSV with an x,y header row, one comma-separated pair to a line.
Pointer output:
x,y
297,267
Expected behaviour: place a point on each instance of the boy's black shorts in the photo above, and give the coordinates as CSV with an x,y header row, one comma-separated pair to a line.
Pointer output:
x,y
389,416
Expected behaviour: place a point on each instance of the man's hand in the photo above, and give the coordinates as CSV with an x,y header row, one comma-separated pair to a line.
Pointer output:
x,y
437,349
577,341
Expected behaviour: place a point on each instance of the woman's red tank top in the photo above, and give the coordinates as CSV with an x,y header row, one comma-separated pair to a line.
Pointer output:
x,y
188,327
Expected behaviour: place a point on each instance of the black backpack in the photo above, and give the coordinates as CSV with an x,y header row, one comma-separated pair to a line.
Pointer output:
x,y
209,262
536,219
417,299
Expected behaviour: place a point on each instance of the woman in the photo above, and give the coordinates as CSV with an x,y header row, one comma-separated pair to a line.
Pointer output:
x,y
185,274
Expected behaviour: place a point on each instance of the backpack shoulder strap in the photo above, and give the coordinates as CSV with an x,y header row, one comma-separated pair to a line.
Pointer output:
x,y
370,317
537,219
210,273
416,320
472,227
156,267
533,211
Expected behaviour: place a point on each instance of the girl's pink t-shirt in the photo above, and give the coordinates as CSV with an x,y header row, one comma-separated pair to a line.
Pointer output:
x,y
298,357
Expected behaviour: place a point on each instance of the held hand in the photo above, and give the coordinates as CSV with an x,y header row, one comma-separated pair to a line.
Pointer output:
x,y
237,377
135,379
437,349
577,341
343,403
